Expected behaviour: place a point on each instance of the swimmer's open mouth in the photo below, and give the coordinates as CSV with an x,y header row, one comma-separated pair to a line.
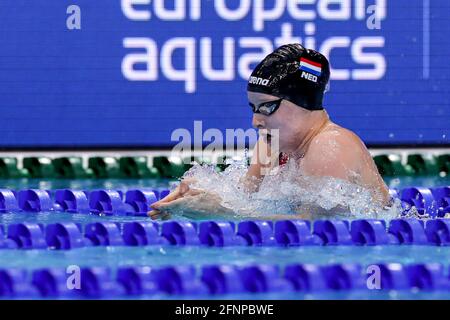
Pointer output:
x,y
267,136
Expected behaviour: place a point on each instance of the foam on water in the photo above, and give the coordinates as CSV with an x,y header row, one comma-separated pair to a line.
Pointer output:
x,y
284,191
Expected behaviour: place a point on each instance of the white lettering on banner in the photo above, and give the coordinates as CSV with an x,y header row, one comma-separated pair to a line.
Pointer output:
x,y
135,10
132,13
149,58
295,8
176,14
196,10
232,15
187,74
302,10
262,14
310,30
227,74
287,36
376,59
261,47
188,58
248,59
327,47
344,11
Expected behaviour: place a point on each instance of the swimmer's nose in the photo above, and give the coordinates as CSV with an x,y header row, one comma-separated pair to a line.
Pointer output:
x,y
258,121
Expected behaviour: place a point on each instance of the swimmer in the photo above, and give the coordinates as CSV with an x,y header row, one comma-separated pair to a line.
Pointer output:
x,y
285,92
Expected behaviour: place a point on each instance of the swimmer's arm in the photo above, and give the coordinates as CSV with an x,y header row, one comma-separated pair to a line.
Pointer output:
x,y
263,159
338,157
191,203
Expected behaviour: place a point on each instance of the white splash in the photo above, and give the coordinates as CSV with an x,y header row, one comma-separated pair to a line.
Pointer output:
x,y
284,191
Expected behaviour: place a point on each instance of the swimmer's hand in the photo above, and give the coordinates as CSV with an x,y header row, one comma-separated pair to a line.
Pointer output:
x,y
182,190
189,202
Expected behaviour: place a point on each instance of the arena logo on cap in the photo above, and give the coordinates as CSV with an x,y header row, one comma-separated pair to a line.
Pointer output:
x,y
259,81
311,70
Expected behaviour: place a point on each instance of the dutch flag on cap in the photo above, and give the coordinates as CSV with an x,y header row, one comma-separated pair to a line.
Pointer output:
x,y
310,66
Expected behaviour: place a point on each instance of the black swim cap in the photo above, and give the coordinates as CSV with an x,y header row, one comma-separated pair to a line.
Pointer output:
x,y
294,73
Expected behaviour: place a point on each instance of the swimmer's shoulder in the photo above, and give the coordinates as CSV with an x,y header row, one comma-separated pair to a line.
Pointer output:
x,y
337,138
330,153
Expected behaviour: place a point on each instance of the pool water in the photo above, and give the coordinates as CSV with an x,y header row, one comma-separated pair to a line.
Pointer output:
x,y
118,256
84,184
157,255
126,184
114,257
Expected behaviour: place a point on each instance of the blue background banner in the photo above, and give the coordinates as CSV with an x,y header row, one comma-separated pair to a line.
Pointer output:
x,y
138,69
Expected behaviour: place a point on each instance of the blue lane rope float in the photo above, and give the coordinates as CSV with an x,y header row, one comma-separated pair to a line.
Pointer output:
x,y
34,200
103,282
134,202
8,201
141,234
434,202
289,233
64,236
72,201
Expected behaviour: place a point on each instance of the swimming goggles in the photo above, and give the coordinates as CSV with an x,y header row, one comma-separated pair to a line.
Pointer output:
x,y
266,108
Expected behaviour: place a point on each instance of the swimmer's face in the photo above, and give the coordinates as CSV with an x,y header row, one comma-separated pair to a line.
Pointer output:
x,y
291,121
